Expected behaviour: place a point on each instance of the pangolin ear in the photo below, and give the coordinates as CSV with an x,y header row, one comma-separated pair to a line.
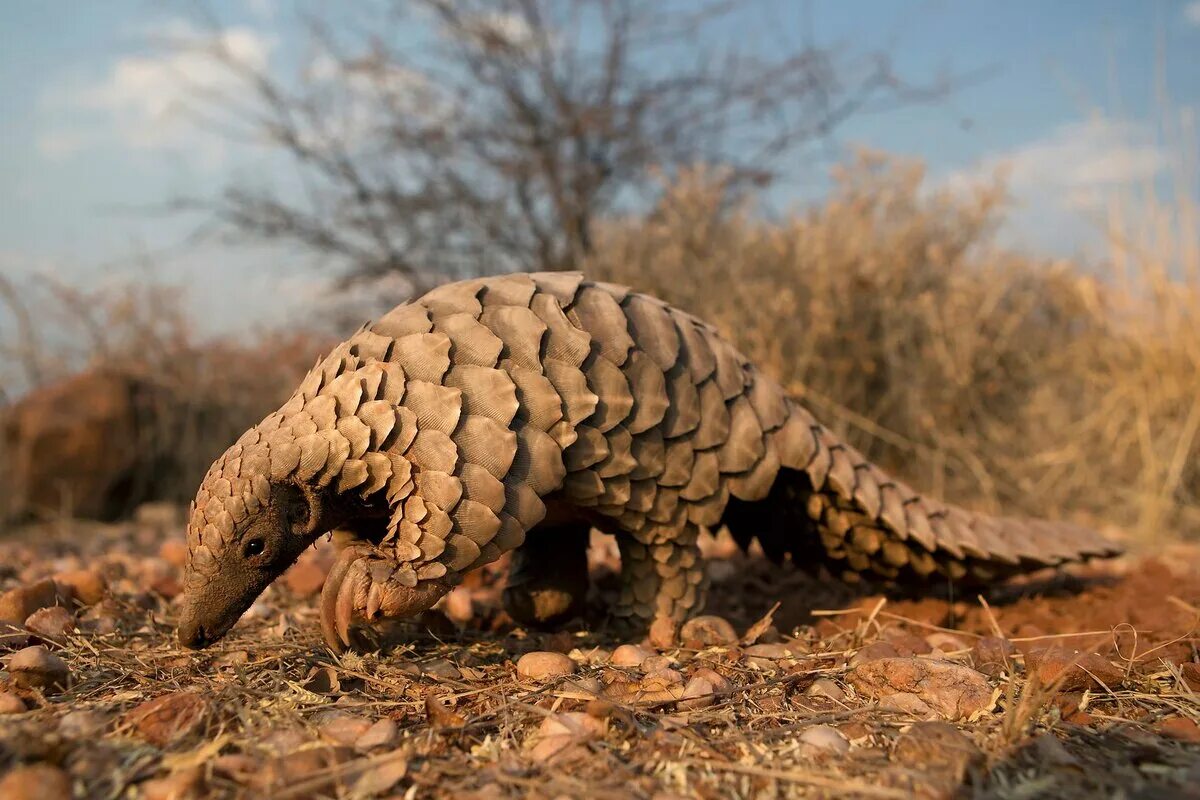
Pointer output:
x,y
300,508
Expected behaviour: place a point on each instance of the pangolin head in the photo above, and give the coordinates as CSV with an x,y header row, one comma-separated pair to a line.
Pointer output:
x,y
244,530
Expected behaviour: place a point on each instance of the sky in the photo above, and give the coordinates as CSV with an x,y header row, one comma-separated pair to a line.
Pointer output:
x,y
1067,97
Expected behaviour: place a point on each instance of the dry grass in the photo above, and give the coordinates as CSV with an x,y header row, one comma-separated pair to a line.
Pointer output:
x,y
275,706
995,378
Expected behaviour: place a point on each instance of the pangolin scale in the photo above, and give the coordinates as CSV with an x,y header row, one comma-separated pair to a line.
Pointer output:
x,y
513,413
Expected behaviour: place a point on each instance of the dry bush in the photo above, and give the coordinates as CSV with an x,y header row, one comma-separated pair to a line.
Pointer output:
x,y
998,379
195,394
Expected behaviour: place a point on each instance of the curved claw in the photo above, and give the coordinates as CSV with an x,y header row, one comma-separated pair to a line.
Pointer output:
x,y
331,592
353,588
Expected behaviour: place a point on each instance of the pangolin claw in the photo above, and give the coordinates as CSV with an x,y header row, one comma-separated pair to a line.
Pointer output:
x,y
338,595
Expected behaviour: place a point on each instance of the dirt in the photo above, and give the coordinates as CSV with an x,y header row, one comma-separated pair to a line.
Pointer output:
x,y
1071,684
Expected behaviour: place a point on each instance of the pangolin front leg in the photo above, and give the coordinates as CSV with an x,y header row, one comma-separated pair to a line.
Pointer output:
x,y
367,583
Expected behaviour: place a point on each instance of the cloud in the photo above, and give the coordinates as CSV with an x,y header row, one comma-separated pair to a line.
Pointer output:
x,y
144,100
1061,181
1191,12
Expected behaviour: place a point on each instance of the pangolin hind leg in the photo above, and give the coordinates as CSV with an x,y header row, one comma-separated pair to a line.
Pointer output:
x,y
663,582
548,577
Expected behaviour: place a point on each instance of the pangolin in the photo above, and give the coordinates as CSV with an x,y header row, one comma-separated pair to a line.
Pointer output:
x,y
514,413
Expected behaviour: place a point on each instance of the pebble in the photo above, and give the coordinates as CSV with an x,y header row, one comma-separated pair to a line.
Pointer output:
x,y
37,667
938,747
53,622
560,732
169,718
992,656
180,785
767,657
661,686
458,605
381,734
655,663
11,704
946,642
379,779
174,551
697,694
82,724
86,586
1180,728
339,727
873,652
441,668
824,739
1070,670
824,687
17,604
543,665
36,782
951,690
707,631
629,655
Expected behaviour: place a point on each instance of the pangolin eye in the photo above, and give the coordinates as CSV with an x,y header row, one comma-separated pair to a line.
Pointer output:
x,y
254,547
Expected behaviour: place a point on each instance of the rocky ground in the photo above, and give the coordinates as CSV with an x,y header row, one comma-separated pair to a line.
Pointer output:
x,y
1085,684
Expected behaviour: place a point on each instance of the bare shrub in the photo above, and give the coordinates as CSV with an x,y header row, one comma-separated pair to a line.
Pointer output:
x,y
194,395
1027,385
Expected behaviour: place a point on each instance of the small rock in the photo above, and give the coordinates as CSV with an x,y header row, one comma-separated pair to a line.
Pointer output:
x,y
53,622
458,605
36,667
17,604
305,578
655,663
382,734
906,643
952,690
946,642
562,732
82,724
767,657
11,704
824,687
174,551
992,656
85,586
442,668
169,718
938,747
661,686
824,739
1181,728
36,782
339,727
1071,670
697,694
1191,674
873,652
707,631
185,784
629,655
543,665
381,776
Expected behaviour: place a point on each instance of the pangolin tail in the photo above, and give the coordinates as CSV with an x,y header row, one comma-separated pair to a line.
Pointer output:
x,y
831,506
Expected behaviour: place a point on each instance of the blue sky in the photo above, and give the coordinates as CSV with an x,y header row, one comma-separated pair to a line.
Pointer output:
x,y
92,138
